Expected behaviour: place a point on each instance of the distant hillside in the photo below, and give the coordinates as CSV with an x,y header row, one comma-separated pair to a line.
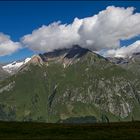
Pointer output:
x,y
131,63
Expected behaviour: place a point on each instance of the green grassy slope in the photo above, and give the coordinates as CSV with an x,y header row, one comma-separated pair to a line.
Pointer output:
x,y
90,86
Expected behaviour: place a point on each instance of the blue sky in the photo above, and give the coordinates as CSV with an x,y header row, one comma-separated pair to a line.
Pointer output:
x,y
22,17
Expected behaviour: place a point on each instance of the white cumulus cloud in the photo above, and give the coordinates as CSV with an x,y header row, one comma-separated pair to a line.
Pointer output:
x,y
7,46
104,30
53,36
125,51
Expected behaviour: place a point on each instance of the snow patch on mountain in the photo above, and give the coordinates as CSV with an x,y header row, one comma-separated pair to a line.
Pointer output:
x,y
14,66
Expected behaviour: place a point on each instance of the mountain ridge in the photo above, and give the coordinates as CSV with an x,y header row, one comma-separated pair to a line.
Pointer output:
x,y
66,87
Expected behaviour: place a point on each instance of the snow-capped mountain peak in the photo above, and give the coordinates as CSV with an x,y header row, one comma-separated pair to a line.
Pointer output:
x,y
14,66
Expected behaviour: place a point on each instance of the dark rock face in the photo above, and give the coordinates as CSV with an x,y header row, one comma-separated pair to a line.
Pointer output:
x,y
75,51
55,53
138,53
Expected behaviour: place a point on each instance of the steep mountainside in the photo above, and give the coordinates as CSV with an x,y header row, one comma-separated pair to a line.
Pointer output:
x,y
3,74
72,85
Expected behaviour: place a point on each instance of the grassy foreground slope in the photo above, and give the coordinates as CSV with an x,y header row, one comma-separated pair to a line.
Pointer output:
x,y
111,131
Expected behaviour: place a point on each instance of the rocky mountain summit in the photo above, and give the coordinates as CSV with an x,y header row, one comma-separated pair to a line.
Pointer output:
x,y
70,84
